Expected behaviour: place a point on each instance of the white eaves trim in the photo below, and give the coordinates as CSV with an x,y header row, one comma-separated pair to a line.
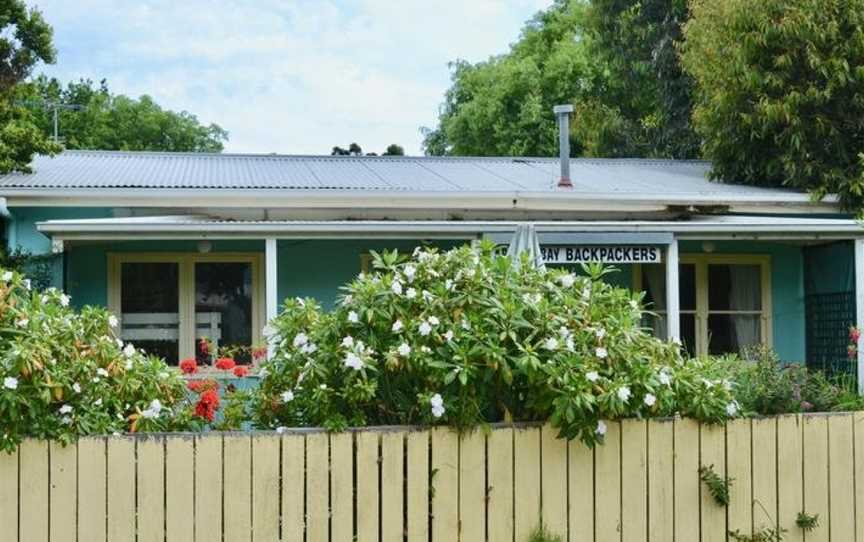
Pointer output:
x,y
775,202
196,227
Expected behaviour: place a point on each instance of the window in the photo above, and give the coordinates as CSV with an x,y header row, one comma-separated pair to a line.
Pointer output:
x,y
166,302
725,301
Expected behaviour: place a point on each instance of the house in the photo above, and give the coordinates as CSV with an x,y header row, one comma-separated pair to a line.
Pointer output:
x,y
183,246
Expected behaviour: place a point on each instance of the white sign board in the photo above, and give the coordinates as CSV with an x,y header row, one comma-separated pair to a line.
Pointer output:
x,y
557,254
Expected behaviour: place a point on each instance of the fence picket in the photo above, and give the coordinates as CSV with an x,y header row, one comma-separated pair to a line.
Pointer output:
x,y
293,486
317,487
417,486
472,486
445,484
841,478
92,457
764,473
661,490
634,480
712,453
208,487
237,483
63,491
265,488
392,476
121,489
526,481
33,496
179,488
739,468
553,485
607,485
367,486
580,482
790,499
9,496
686,480
150,477
342,487
500,484
816,474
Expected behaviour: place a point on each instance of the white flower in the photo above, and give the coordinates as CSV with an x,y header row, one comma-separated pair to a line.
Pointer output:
x,y
323,386
7,276
531,299
586,294
66,420
76,387
65,409
567,280
268,331
664,377
348,341
22,322
353,361
448,285
424,328
128,364
309,348
281,429
732,408
64,300
97,402
409,272
112,321
449,335
649,400
601,428
438,411
425,349
404,350
466,325
300,339
119,343
396,287
287,396
433,321
707,383
129,350
600,333
10,383
592,376
153,410
427,295
397,326
28,284
727,385
101,372
411,293
353,318
623,393
601,352
551,344
437,404
634,304
263,372
348,299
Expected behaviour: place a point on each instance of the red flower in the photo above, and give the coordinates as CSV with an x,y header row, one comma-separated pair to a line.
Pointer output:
x,y
189,366
852,350
203,346
854,334
226,364
259,352
199,386
207,405
240,371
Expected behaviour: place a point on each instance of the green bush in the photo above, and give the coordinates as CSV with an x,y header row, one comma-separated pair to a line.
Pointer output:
x,y
466,337
65,374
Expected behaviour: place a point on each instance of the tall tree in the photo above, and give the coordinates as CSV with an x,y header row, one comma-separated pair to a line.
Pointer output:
x,y
106,121
25,41
780,92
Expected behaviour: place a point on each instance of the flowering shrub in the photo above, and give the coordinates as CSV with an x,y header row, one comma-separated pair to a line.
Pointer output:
x,y
65,374
466,337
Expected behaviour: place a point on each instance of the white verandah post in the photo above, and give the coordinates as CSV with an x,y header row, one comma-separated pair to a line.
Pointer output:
x,y
271,282
673,323
859,306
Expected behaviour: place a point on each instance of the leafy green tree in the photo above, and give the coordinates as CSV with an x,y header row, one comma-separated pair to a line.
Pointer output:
x,y
780,92
25,40
394,150
614,60
106,121
356,150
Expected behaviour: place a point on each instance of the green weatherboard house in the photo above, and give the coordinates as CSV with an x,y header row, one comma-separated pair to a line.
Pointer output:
x,y
183,246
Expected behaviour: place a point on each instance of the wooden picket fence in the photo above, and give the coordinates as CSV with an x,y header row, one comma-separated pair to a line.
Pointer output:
x,y
396,484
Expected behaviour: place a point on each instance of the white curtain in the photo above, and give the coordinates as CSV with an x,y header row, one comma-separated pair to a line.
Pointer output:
x,y
655,284
745,294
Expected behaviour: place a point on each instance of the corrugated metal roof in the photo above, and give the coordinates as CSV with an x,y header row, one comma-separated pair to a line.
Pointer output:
x,y
157,170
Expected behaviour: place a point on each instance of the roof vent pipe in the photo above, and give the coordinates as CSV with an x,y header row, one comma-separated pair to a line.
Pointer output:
x,y
562,112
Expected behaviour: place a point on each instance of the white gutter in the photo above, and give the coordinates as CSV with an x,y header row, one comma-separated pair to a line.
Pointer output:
x,y
570,200
111,229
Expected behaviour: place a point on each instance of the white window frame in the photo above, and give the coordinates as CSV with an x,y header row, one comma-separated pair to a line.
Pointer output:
x,y
186,287
701,263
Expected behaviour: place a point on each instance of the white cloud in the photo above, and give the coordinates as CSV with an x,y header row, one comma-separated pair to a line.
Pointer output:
x,y
286,76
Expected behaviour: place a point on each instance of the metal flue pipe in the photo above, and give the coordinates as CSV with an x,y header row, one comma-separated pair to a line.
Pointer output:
x,y
562,112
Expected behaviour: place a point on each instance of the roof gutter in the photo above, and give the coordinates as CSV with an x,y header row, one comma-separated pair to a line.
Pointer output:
x,y
563,200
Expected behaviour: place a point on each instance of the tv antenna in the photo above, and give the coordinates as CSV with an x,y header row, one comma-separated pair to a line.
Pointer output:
x,y
54,107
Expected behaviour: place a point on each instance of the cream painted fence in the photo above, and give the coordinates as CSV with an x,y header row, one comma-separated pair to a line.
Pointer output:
x,y
400,484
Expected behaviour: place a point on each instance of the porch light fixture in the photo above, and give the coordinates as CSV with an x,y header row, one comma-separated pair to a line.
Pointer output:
x,y
204,247
708,246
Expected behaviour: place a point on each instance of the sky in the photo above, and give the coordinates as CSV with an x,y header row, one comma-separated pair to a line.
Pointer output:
x,y
289,76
